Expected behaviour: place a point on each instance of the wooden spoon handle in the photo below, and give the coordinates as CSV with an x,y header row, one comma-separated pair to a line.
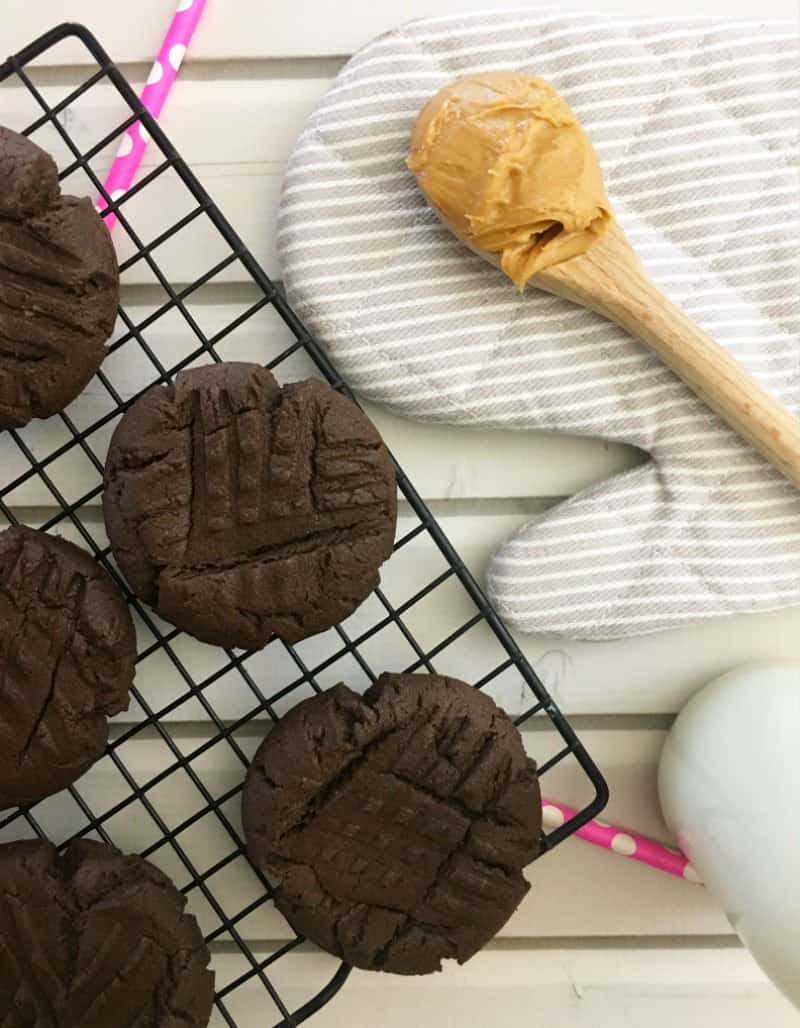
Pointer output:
x,y
610,280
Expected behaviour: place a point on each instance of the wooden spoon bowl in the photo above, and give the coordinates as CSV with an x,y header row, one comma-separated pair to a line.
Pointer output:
x,y
609,279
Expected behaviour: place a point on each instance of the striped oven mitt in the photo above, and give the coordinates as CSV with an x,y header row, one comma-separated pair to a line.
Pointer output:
x,y
695,123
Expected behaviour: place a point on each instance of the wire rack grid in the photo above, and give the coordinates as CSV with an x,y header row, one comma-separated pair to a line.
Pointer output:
x,y
228,696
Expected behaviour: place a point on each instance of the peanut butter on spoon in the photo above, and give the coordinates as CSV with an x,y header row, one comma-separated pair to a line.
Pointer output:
x,y
508,168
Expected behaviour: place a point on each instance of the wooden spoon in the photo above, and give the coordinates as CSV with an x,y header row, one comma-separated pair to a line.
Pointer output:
x,y
608,278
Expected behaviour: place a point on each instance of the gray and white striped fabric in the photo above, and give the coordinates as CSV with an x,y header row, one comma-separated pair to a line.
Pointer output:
x,y
695,123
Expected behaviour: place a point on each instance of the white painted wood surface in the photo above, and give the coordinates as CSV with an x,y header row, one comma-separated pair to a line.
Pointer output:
x,y
660,987
309,28
600,940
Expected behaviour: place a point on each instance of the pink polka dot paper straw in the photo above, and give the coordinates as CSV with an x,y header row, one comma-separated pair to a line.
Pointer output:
x,y
154,96
623,842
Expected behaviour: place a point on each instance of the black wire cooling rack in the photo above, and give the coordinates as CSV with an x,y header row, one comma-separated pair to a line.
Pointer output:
x,y
227,696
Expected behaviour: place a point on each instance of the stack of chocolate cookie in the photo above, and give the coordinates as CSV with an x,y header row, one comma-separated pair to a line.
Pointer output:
x,y
89,938
395,825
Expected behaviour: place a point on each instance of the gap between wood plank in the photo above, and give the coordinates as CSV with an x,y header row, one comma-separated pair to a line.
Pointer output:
x,y
200,731
213,294
206,70
489,507
515,945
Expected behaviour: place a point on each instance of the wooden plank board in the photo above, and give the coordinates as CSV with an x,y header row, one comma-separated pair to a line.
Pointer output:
x,y
653,674
251,124
577,890
461,464
214,118
298,28
444,462
566,988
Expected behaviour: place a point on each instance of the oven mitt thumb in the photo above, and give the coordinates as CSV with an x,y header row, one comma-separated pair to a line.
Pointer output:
x,y
704,528
694,123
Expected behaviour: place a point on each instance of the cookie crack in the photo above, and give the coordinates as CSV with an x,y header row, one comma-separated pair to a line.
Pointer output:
x,y
198,501
485,815
24,947
30,598
77,592
13,351
70,334
361,532
34,230
234,455
330,791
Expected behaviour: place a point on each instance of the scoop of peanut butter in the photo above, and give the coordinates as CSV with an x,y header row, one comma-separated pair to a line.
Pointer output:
x,y
506,164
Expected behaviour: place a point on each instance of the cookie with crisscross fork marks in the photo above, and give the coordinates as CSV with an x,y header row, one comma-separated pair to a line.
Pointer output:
x,y
67,658
95,939
397,824
59,286
241,510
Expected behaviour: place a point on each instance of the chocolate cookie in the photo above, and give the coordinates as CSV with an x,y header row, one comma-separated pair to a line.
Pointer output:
x,y
67,655
239,509
59,286
398,824
92,938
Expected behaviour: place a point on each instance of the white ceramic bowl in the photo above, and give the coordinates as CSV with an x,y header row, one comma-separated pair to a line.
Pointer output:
x,y
729,782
